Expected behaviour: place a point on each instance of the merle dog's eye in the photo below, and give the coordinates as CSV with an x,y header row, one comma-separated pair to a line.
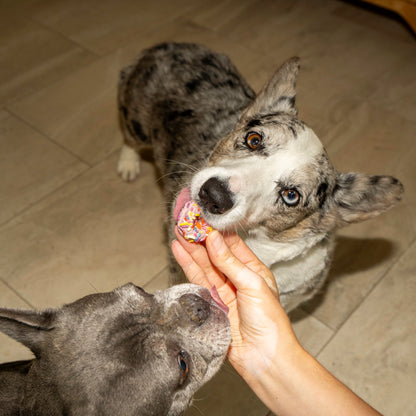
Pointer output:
x,y
183,366
253,140
290,197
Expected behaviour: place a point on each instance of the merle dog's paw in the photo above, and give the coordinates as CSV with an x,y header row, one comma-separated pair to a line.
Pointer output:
x,y
129,164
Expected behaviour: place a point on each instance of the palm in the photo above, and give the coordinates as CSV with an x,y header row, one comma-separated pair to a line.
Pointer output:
x,y
199,270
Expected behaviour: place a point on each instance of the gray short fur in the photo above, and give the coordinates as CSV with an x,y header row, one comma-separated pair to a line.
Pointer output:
x,y
123,353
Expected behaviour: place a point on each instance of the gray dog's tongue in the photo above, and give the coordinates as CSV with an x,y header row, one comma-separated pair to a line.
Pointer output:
x,y
218,300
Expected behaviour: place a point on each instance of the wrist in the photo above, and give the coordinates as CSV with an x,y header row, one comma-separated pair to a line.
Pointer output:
x,y
274,381
299,385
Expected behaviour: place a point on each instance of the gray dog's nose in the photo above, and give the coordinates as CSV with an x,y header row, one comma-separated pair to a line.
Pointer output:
x,y
197,308
215,196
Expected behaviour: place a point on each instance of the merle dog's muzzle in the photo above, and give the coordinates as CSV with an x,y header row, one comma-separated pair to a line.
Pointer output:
x,y
215,196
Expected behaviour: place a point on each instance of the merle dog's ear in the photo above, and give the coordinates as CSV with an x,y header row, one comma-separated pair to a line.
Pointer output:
x,y
279,94
359,197
28,327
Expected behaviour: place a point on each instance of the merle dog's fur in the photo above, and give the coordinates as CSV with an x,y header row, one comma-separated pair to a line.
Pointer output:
x,y
197,112
125,352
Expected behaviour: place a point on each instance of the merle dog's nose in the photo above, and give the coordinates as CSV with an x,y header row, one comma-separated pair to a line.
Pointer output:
x,y
215,196
197,308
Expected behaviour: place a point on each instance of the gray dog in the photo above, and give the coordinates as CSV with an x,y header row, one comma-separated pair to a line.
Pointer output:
x,y
247,160
123,353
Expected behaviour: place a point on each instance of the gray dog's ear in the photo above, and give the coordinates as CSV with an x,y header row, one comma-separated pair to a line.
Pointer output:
x,y
359,197
279,94
28,327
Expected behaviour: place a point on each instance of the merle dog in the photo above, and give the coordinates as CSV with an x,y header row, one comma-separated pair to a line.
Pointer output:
x,y
124,353
247,160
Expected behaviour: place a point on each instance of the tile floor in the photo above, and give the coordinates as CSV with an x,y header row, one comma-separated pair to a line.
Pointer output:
x,y
69,226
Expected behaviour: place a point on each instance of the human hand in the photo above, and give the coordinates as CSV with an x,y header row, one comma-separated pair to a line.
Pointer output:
x,y
264,348
260,328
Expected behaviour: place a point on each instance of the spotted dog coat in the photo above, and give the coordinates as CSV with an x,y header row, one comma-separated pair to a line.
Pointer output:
x,y
250,163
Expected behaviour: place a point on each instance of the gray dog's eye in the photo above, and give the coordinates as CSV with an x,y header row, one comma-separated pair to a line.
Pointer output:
x,y
290,197
183,366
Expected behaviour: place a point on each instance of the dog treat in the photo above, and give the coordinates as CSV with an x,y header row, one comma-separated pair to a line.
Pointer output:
x,y
191,224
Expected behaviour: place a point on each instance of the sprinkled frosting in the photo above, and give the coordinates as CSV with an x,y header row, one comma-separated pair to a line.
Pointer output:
x,y
191,224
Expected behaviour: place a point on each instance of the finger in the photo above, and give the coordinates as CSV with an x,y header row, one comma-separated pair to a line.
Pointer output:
x,y
189,247
200,256
240,250
191,269
239,274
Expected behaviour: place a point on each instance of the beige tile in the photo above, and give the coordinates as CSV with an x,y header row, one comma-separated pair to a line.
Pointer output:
x,y
396,89
220,14
324,97
311,333
377,141
78,112
11,350
341,65
32,57
22,8
319,36
32,166
263,25
367,250
374,352
96,233
226,395
158,282
103,26
360,55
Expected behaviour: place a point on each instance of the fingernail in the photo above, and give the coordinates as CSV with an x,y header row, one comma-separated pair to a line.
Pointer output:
x,y
216,240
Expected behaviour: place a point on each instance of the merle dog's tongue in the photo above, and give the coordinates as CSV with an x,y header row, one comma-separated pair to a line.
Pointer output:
x,y
181,200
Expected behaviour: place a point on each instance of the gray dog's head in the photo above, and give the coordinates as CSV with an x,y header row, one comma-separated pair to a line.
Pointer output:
x,y
125,352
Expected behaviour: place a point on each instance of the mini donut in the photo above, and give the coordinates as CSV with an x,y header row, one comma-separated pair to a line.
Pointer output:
x,y
191,224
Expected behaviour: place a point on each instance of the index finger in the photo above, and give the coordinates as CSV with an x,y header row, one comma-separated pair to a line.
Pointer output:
x,y
199,254
242,277
240,249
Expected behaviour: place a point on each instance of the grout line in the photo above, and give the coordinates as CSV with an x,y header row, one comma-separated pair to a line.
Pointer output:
x,y
72,179
63,36
94,58
313,316
92,286
31,205
156,276
16,293
46,136
376,284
